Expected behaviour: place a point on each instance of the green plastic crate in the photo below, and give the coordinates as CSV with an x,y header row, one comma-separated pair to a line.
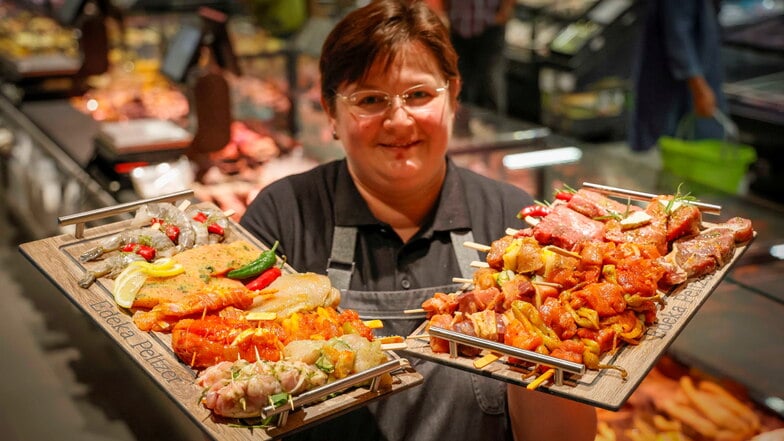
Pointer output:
x,y
712,162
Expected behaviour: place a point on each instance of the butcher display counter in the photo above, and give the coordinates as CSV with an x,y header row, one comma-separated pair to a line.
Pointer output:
x,y
41,180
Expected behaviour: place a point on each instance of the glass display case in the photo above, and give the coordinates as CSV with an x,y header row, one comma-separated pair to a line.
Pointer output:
x,y
574,59
38,180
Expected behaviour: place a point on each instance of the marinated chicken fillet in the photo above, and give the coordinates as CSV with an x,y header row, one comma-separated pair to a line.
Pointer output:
x,y
291,293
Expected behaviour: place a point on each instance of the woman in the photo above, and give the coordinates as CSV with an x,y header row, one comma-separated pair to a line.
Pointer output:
x,y
387,223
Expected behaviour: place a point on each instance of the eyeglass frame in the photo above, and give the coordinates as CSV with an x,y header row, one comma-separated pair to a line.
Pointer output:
x,y
347,99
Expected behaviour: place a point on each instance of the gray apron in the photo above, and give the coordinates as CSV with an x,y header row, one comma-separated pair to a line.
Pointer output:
x,y
451,404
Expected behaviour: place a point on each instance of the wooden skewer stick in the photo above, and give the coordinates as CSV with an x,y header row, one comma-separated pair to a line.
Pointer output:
x,y
532,221
229,213
541,379
413,311
393,346
535,282
561,251
646,197
419,337
512,231
477,246
479,264
543,283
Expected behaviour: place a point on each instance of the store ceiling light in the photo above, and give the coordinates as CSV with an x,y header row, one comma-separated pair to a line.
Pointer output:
x,y
777,251
542,158
527,135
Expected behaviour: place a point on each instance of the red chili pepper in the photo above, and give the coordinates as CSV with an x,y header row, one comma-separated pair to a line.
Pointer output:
x,y
534,211
215,229
200,217
264,279
146,251
564,195
172,232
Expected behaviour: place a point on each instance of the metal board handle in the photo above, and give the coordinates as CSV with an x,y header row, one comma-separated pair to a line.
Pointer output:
x,y
100,213
560,365
334,387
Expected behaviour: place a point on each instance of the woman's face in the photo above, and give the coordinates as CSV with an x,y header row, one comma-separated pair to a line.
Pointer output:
x,y
402,147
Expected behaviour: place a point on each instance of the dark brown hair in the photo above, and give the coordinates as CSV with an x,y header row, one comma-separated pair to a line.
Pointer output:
x,y
377,32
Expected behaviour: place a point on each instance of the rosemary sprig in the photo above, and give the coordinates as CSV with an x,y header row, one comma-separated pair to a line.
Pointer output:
x,y
568,188
680,198
616,214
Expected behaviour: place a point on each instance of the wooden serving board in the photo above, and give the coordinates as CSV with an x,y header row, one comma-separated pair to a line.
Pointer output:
x,y
58,259
601,388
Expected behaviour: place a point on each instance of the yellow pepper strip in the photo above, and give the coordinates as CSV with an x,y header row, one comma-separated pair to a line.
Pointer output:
x,y
167,268
261,315
540,379
636,301
529,316
374,324
591,357
479,363
609,274
510,254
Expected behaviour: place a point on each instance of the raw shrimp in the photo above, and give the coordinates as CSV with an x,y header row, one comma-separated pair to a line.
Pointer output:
x,y
145,236
110,267
172,215
212,216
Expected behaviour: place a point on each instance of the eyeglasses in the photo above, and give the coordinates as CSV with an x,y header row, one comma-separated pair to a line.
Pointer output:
x,y
369,103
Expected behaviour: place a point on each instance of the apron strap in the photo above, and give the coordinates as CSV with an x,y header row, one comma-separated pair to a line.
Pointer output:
x,y
464,254
341,264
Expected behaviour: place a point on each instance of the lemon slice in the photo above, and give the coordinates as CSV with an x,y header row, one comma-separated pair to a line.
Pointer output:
x,y
159,268
127,284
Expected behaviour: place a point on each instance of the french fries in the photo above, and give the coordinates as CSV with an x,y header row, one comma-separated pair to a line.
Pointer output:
x,y
686,408
605,432
712,412
660,429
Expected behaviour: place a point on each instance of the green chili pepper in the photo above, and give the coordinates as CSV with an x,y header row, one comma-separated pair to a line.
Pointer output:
x,y
264,261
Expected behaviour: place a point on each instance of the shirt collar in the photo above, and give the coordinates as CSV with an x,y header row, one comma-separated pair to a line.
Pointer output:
x,y
452,212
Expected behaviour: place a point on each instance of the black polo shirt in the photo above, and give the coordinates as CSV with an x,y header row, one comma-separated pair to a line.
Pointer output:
x,y
301,210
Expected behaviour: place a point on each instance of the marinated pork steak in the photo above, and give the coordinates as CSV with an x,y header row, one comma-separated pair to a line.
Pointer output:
x,y
685,220
741,228
565,228
594,204
706,252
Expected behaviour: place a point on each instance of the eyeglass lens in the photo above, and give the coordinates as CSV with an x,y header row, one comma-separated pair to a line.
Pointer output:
x,y
376,102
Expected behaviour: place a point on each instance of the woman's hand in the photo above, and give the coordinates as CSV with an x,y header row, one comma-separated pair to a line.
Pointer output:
x,y
542,417
703,97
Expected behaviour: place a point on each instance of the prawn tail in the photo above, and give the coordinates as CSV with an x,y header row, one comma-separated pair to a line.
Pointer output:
x,y
91,254
87,280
